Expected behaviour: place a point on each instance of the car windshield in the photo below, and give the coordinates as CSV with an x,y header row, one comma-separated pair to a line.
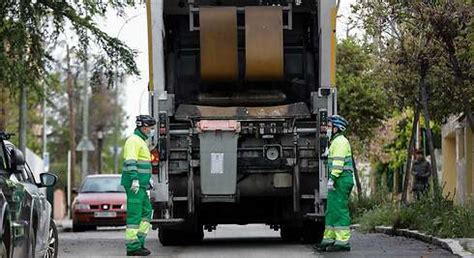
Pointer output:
x,y
102,185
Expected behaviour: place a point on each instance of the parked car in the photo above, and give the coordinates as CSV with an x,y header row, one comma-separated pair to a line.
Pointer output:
x,y
26,227
100,201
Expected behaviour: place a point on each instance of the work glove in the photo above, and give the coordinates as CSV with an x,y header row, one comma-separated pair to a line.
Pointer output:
x,y
135,186
152,184
331,185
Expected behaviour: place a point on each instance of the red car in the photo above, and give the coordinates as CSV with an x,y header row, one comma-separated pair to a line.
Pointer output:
x,y
100,201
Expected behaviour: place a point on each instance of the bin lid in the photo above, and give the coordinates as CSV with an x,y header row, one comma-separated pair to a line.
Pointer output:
x,y
218,125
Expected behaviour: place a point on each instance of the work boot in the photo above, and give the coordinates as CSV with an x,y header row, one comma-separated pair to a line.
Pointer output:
x,y
339,248
146,250
139,252
321,247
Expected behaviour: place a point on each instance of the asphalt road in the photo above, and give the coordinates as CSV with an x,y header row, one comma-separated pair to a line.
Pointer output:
x,y
242,242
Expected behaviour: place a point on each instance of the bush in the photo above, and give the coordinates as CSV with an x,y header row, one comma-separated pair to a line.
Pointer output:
x,y
434,216
360,206
384,215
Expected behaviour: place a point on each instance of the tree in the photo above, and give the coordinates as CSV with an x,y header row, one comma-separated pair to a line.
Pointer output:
x,y
29,28
409,46
361,100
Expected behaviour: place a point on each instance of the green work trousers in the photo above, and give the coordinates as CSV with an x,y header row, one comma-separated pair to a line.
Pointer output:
x,y
139,213
338,218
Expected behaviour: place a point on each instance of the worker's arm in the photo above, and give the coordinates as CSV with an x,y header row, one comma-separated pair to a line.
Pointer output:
x,y
130,154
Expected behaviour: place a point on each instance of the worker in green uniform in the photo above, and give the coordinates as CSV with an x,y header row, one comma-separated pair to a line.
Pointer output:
x,y
136,179
340,166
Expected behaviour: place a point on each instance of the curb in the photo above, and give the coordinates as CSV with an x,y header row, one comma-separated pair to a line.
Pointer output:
x,y
451,245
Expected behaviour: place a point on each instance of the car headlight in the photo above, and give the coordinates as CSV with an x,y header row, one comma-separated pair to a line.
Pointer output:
x,y
124,207
81,206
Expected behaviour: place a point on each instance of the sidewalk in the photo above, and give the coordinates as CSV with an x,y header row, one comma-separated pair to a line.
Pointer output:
x,y
64,225
463,247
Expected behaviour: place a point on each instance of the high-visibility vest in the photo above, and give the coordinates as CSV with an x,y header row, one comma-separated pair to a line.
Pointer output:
x,y
137,161
340,157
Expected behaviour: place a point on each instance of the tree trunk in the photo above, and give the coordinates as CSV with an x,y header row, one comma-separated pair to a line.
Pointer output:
x,y
411,147
429,135
357,179
72,117
3,112
23,117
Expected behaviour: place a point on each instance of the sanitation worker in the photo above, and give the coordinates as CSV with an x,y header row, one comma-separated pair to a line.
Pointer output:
x,y
340,164
136,179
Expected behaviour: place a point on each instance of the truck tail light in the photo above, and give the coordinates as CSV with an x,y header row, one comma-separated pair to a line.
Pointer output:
x,y
155,161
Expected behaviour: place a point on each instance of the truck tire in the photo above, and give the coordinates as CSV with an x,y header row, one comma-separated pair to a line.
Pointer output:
x,y
290,233
181,236
169,236
197,235
312,232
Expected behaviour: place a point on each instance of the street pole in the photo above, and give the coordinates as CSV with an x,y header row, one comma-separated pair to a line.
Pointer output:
x,y
85,145
116,122
23,116
85,117
100,137
69,182
72,117
45,138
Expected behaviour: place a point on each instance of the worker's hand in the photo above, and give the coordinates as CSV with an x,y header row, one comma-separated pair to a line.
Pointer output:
x,y
135,186
152,184
331,185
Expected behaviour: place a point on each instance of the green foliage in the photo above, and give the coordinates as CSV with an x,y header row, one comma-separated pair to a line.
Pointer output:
x,y
358,206
429,39
385,215
361,99
434,216
29,29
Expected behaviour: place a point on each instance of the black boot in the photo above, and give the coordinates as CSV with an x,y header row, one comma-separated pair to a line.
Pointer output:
x,y
146,250
139,252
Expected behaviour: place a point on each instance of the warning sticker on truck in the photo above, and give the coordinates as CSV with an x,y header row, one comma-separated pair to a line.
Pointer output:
x,y
217,163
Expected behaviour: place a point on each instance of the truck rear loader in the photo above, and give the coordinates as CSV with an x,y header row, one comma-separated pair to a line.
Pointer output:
x,y
241,91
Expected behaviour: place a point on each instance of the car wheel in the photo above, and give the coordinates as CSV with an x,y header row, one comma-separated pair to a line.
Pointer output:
x,y
52,251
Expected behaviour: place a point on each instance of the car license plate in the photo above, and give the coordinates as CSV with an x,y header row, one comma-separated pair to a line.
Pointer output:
x,y
105,214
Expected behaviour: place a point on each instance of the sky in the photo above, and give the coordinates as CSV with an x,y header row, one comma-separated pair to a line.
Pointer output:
x,y
133,31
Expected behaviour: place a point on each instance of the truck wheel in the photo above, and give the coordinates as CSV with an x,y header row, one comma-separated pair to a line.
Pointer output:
x,y
169,236
312,232
197,235
290,233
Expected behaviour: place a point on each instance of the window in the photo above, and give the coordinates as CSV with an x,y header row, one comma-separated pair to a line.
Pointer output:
x,y
102,185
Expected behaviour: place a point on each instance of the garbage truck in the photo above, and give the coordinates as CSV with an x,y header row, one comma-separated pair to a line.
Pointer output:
x,y
241,91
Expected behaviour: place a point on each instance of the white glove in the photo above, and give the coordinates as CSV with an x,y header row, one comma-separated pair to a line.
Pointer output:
x,y
135,186
152,184
331,185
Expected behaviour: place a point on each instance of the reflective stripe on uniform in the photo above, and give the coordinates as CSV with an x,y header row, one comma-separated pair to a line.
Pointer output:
x,y
131,234
144,170
144,227
329,233
343,235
